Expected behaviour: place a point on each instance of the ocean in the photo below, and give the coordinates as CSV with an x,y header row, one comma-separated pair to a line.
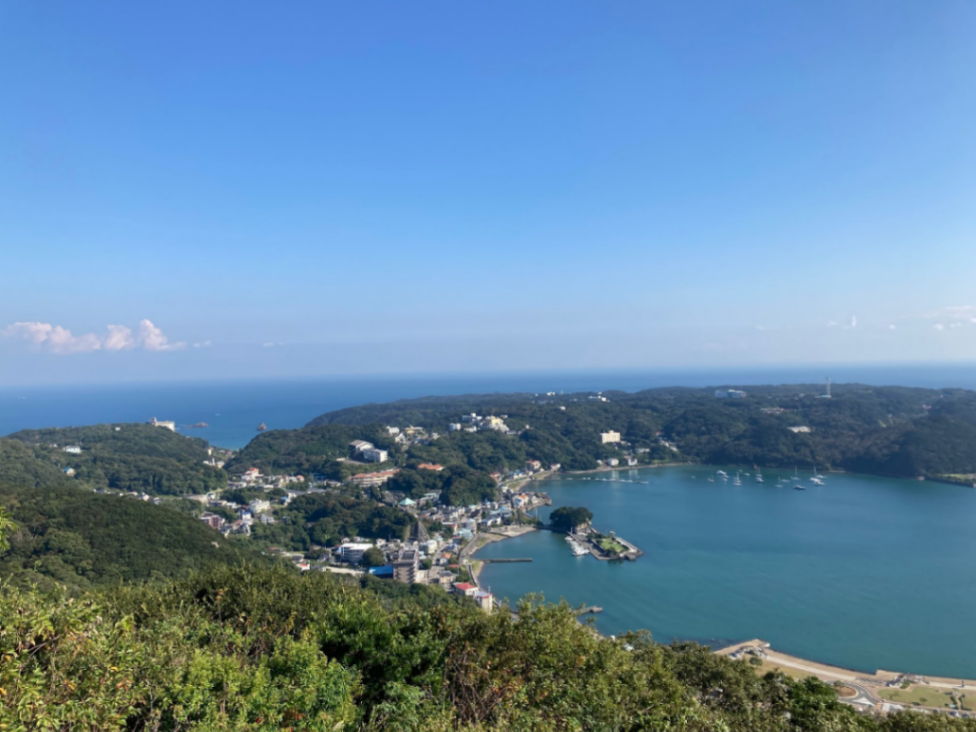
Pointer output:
x,y
233,409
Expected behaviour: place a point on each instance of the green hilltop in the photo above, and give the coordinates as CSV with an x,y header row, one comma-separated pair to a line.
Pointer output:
x,y
129,457
895,431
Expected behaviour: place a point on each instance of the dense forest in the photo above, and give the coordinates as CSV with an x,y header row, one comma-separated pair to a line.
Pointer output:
x,y
458,485
251,648
81,540
894,431
129,457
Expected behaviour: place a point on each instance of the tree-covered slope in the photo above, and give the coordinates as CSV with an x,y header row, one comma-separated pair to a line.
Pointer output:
x,y
307,451
889,430
82,539
132,457
267,649
20,464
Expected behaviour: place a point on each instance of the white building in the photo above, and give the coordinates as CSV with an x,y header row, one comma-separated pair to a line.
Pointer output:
x,y
485,600
259,505
801,428
454,427
496,423
729,394
353,552
609,437
72,450
171,426
374,455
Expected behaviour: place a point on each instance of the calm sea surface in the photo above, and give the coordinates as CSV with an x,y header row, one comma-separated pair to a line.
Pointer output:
x,y
234,409
862,572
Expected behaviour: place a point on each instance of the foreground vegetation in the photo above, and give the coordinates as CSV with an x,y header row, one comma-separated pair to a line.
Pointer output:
x,y
266,649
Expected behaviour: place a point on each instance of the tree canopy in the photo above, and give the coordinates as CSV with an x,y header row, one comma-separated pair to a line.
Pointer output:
x,y
83,540
268,649
567,518
128,457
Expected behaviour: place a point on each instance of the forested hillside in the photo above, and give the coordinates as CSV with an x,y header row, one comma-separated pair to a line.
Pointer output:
x,y
82,540
309,451
130,457
266,649
887,430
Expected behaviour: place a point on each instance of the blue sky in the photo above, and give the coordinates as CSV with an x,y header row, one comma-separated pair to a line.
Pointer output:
x,y
314,188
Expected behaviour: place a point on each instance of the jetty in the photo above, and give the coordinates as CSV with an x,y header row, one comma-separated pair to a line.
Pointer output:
x,y
503,561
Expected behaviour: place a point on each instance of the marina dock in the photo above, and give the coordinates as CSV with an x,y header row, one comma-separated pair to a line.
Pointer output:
x,y
503,561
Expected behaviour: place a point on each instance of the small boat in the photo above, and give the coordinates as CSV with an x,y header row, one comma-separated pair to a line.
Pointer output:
x,y
712,480
816,481
799,487
759,478
576,547
737,480
721,474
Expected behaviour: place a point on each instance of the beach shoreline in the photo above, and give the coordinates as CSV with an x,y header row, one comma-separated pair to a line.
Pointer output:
x,y
875,689
490,537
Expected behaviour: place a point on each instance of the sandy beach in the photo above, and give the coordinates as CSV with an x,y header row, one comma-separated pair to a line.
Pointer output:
x,y
872,689
489,537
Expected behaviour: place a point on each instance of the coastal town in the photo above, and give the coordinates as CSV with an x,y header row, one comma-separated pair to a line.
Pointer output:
x,y
441,556
431,558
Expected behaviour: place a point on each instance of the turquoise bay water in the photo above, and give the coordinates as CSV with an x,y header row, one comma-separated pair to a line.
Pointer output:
x,y
862,572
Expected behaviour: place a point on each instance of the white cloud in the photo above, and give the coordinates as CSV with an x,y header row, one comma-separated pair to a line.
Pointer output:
x,y
853,321
205,344
61,341
35,332
831,323
54,338
152,338
939,326
891,327
958,313
119,338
